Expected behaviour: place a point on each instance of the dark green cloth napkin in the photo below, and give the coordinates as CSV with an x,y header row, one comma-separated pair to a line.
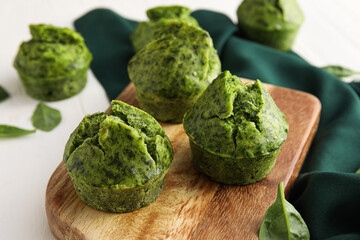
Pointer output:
x,y
327,192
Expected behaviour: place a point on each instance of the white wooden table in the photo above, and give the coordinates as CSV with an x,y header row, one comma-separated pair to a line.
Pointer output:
x,y
329,35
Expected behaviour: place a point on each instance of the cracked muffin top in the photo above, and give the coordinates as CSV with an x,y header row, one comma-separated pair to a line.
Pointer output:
x,y
179,63
125,148
158,17
232,119
270,14
52,53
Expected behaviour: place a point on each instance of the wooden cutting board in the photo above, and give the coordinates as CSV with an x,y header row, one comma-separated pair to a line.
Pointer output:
x,y
190,206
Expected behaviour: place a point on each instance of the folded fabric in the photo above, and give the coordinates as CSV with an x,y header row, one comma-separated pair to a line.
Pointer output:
x,y
327,192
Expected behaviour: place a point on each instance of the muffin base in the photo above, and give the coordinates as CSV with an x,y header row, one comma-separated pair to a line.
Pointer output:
x,y
54,89
118,198
282,40
234,171
164,109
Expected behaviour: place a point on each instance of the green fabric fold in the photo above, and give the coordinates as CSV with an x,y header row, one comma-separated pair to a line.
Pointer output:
x,y
356,87
107,36
329,204
327,192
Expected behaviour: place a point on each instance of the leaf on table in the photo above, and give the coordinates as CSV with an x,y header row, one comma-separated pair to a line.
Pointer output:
x,y
340,71
283,221
45,118
3,94
12,131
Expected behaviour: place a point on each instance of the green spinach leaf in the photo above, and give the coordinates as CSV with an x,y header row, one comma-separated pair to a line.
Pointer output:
x,y
12,131
340,71
45,118
282,221
3,94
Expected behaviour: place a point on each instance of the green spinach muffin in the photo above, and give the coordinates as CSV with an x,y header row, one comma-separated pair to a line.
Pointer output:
x,y
172,71
235,131
159,16
274,23
118,161
53,64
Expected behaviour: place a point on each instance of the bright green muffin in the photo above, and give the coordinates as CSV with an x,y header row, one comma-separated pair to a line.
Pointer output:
x,y
274,23
159,16
118,161
235,131
53,64
172,71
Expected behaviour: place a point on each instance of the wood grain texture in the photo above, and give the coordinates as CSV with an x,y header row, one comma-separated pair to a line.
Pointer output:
x,y
190,205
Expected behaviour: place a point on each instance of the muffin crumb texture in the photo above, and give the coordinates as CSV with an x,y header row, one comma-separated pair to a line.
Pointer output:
x,y
274,23
118,161
172,71
53,64
235,130
158,17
